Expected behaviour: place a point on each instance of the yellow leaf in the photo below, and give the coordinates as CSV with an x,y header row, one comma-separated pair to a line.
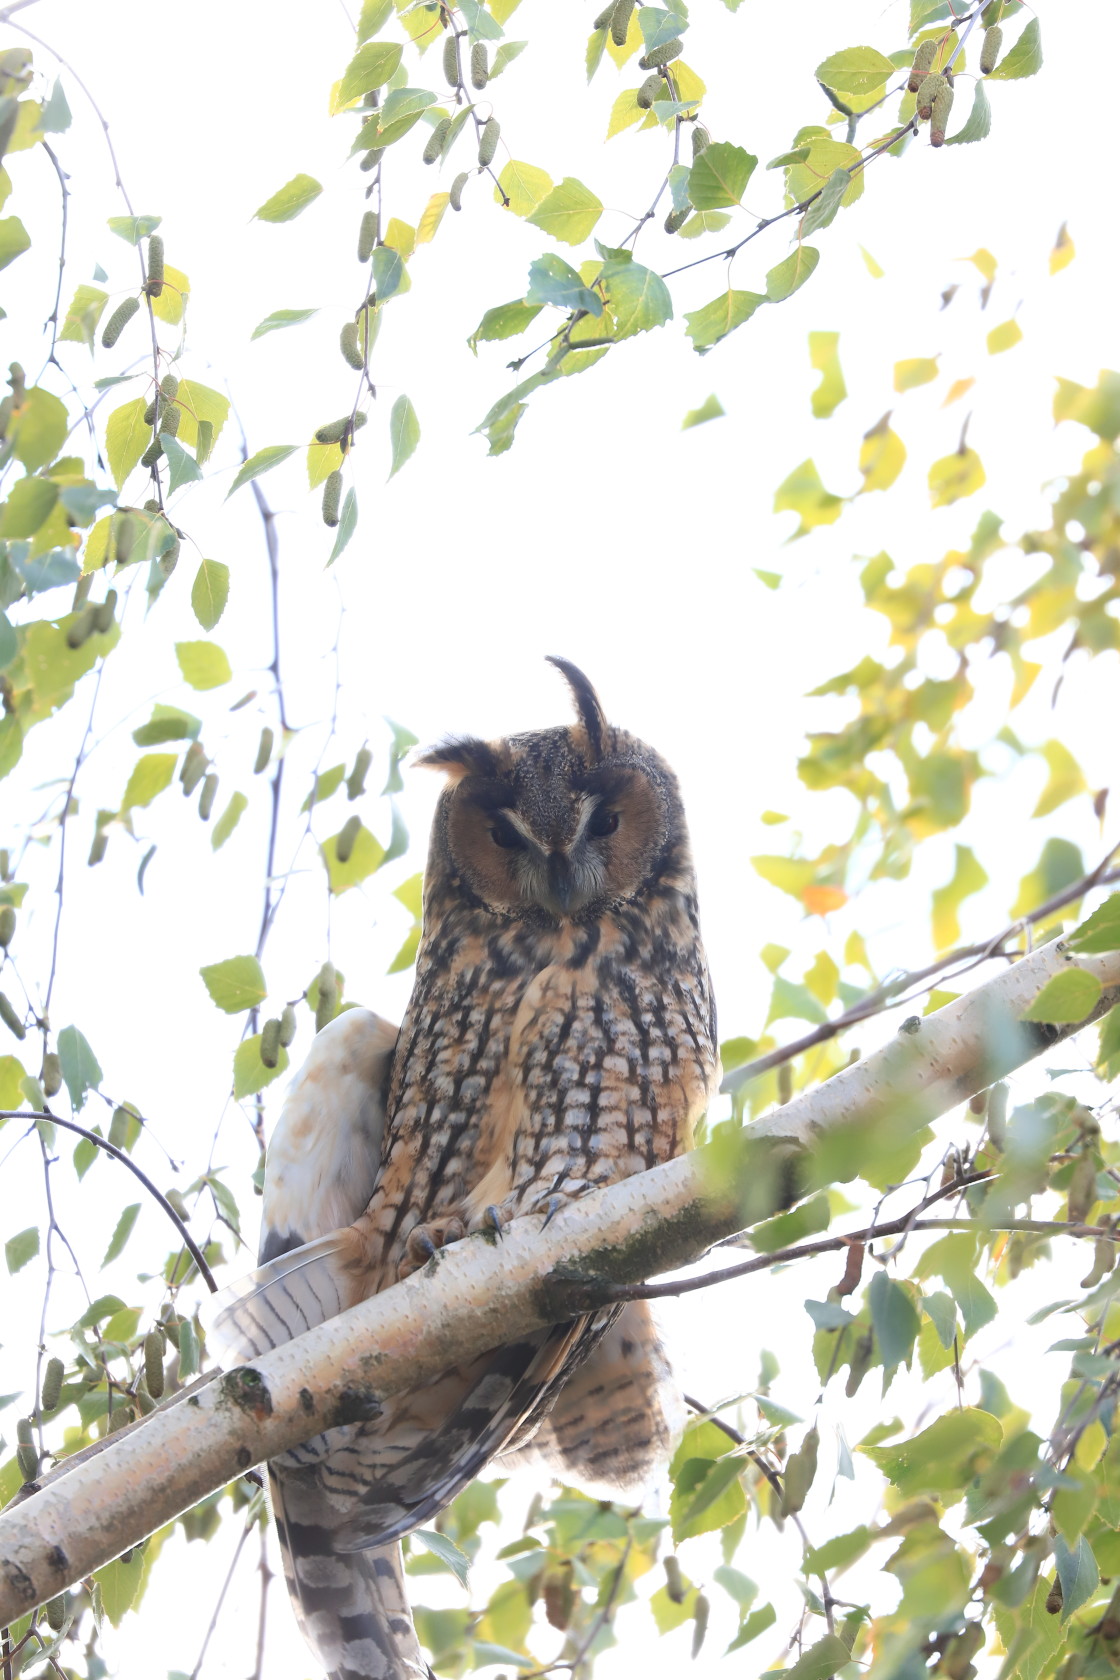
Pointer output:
x,y
432,217
630,46
524,185
1004,337
170,303
824,355
690,89
882,456
1064,251
401,237
873,268
955,476
822,978
1064,782
322,460
804,494
985,262
957,390
624,112
917,370
1090,1445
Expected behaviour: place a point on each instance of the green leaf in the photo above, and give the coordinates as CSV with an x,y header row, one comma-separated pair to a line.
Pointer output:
x,y
710,409
505,320
841,1550
291,199
40,430
1101,932
200,403
447,1552
348,519
21,1248
715,320
824,207
1025,57
282,318
167,723
968,877
825,358
1065,780
719,176
979,123
150,775
790,275
80,1067
210,592
759,1620
182,468
1077,1572
1109,1055
203,664
30,504
371,67
1058,867
249,1073
569,212
236,984
14,240
366,856
121,1233
390,275
132,229
263,461
894,1318
119,1583
552,280
404,432
858,70
126,438
639,299
707,1494
524,185
228,821
822,1660
1069,996
84,315
943,1458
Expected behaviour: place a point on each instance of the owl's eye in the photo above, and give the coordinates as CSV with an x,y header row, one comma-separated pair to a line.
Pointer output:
x,y
503,834
603,821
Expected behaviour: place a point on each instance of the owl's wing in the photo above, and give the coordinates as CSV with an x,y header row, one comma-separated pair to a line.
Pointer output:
x,y
616,1417
320,1173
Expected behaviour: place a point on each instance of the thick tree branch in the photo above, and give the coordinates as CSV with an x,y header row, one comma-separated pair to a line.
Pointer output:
x,y
480,1294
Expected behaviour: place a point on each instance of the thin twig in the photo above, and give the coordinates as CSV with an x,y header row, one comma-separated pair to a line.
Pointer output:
x,y
119,1155
244,1535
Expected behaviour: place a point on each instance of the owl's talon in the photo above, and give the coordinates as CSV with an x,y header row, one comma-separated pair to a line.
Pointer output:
x,y
555,1203
424,1242
492,1221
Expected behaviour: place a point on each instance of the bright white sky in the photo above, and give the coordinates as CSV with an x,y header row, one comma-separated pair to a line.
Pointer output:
x,y
607,534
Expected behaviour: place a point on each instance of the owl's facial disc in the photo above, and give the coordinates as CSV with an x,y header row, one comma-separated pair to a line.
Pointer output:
x,y
562,851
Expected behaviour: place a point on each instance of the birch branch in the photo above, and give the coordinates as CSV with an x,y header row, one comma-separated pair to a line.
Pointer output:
x,y
481,1293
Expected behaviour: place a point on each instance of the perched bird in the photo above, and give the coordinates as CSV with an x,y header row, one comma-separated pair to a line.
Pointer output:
x,y
560,1036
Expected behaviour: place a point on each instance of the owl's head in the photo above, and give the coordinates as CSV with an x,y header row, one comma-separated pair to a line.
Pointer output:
x,y
559,824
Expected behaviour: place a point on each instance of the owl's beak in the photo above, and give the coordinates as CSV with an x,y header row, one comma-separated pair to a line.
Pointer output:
x,y
561,881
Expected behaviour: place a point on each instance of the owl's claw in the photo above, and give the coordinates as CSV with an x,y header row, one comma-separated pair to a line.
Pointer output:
x,y
424,1242
492,1221
553,1206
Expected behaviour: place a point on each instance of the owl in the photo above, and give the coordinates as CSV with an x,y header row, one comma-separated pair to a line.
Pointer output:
x,y
560,1036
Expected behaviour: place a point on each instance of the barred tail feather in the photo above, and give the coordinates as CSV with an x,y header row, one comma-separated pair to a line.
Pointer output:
x,y
282,1299
352,1608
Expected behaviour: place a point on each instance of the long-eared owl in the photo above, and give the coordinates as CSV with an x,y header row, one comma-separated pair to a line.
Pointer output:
x,y
560,1036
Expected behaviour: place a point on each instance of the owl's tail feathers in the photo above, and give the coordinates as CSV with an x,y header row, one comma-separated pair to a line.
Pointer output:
x,y
283,1298
351,1607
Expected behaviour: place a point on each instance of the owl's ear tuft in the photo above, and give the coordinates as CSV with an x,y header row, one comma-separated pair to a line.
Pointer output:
x,y
460,756
588,707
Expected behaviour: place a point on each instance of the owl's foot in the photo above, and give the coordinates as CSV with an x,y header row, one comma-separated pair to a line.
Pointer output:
x,y
425,1241
532,1199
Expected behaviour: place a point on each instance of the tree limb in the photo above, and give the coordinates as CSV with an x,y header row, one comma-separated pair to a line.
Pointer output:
x,y
480,1294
